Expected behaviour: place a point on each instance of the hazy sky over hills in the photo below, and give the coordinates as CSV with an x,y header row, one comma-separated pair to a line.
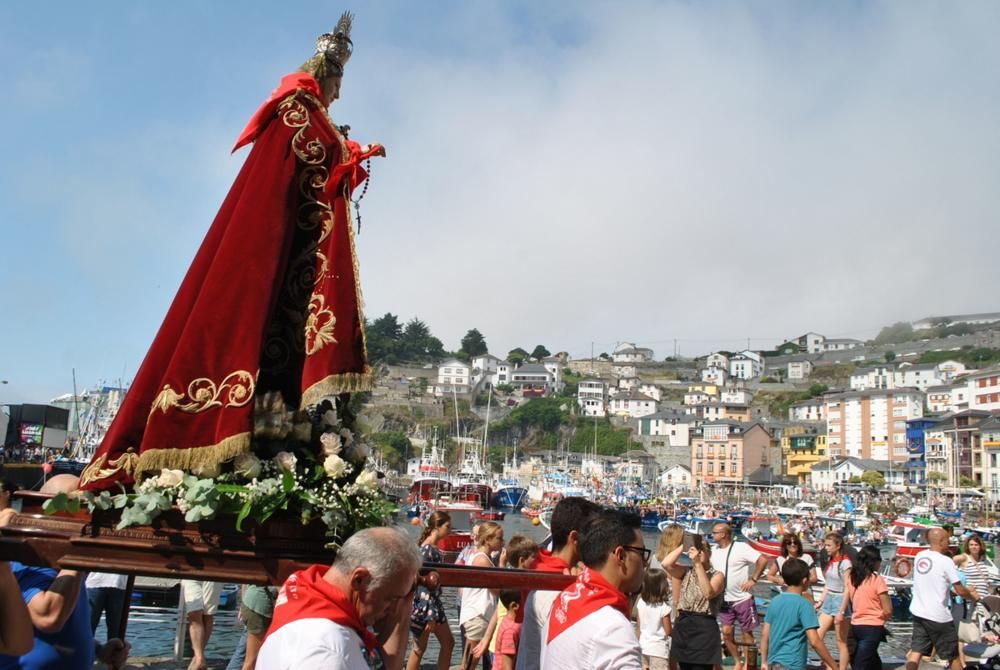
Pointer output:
x,y
637,171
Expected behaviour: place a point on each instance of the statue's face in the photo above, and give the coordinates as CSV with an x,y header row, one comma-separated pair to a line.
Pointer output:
x,y
331,89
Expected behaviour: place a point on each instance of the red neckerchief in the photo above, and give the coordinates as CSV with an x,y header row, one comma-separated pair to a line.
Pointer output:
x,y
290,82
589,593
306,595
547,562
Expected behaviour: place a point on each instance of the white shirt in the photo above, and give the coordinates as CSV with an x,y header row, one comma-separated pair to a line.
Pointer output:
x,y
742,560
602,640
933,576
312,644
106,580
652,640
536,617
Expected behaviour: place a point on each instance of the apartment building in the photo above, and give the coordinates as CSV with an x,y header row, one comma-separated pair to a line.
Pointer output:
x,y
871,424
726,452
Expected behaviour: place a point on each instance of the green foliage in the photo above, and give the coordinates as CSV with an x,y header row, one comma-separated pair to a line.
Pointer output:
x,y
890,356
517,356
966,482
389,342
540,352
816,390
873,479
854,480
981,357
901,331
544,414
393,446
767,380
473,344
935,478
506,389
610,442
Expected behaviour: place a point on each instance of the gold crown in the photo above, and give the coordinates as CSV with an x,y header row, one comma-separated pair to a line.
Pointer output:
x,y
336,47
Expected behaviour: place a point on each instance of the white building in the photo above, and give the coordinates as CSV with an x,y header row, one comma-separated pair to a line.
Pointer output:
x,y
532,379
636,466
956,319
920,376
717,360
983,389
799,370
674,426
624,370
484,368
715,376
454,376
632,405
735,396
842,344
746,365
677,478
939,399
811,343
555,365
627,352
652,390
874,377
697,397
592,397
502,374
872,423
826,474
626,384
813,409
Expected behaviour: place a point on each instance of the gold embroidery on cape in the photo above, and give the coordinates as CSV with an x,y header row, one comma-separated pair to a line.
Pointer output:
x,y
204,394
96,471
154,460
319,325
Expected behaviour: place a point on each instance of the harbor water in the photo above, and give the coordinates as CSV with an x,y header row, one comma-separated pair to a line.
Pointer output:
x,y
152,632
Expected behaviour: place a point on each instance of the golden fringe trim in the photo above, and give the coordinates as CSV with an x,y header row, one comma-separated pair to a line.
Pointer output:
x,y
154,460
345,382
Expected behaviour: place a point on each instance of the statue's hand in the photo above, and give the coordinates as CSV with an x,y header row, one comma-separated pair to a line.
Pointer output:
x,y
375,149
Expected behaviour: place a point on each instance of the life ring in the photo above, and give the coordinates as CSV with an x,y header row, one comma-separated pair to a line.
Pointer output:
x,y
903,567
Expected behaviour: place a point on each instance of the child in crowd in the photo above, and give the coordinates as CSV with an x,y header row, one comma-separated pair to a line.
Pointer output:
x,y
653,618
508,632
792,622
521,554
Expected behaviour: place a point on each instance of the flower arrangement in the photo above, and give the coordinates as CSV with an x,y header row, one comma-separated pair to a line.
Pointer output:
x,y
309,463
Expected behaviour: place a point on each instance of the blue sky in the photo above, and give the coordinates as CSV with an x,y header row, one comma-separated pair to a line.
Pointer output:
x,y
557,173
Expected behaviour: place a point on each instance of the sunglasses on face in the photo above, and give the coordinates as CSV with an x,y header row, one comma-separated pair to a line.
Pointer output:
x,y
646,553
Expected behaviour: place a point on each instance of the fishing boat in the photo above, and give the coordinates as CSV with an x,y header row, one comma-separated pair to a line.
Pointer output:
x,y
761,533
463,517
910,537
509,494
429,474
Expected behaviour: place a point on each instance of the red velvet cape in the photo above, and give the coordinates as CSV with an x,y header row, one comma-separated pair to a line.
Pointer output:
x,y
270,302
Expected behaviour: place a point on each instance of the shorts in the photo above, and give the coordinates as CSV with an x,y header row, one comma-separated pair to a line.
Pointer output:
x,y
655,663
201,596
743,612
257,624
942,637
831,604
475,628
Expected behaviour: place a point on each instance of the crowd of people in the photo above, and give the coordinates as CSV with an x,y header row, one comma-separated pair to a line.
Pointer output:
x,y
627,607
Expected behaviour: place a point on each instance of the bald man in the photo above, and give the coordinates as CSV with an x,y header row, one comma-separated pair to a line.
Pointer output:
x,y
59,615
934,577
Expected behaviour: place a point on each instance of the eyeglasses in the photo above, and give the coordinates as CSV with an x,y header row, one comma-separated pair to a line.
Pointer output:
x,y
646,553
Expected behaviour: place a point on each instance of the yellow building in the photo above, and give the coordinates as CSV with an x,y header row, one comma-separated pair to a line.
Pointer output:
x,y
802,446
707,388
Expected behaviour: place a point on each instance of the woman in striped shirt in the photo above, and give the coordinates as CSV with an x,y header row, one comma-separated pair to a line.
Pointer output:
x,y
974,563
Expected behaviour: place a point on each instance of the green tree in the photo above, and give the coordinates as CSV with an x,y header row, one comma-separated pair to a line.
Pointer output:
x,y
890,356
418,344
540,352
517,356
965,482
543,413
901,331
383,339
874,479
473,344
394,447
935,478
816,390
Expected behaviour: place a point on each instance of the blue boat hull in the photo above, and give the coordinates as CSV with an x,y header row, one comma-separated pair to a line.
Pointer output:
x,y
510,497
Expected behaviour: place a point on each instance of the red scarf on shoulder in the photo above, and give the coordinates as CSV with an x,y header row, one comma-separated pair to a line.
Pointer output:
x,y
589,593
290,82
546,563
306,595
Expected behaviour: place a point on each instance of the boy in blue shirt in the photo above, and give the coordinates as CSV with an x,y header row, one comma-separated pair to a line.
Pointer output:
x,y
791,622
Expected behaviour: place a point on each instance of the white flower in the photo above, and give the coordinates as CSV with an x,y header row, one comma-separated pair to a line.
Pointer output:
x,y
368,479
207,471
334,466
169,478
357,452
247,465
331,444
285,461
330,417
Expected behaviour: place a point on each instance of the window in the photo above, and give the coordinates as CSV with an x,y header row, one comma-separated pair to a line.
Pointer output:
x,y
711,467
732,468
